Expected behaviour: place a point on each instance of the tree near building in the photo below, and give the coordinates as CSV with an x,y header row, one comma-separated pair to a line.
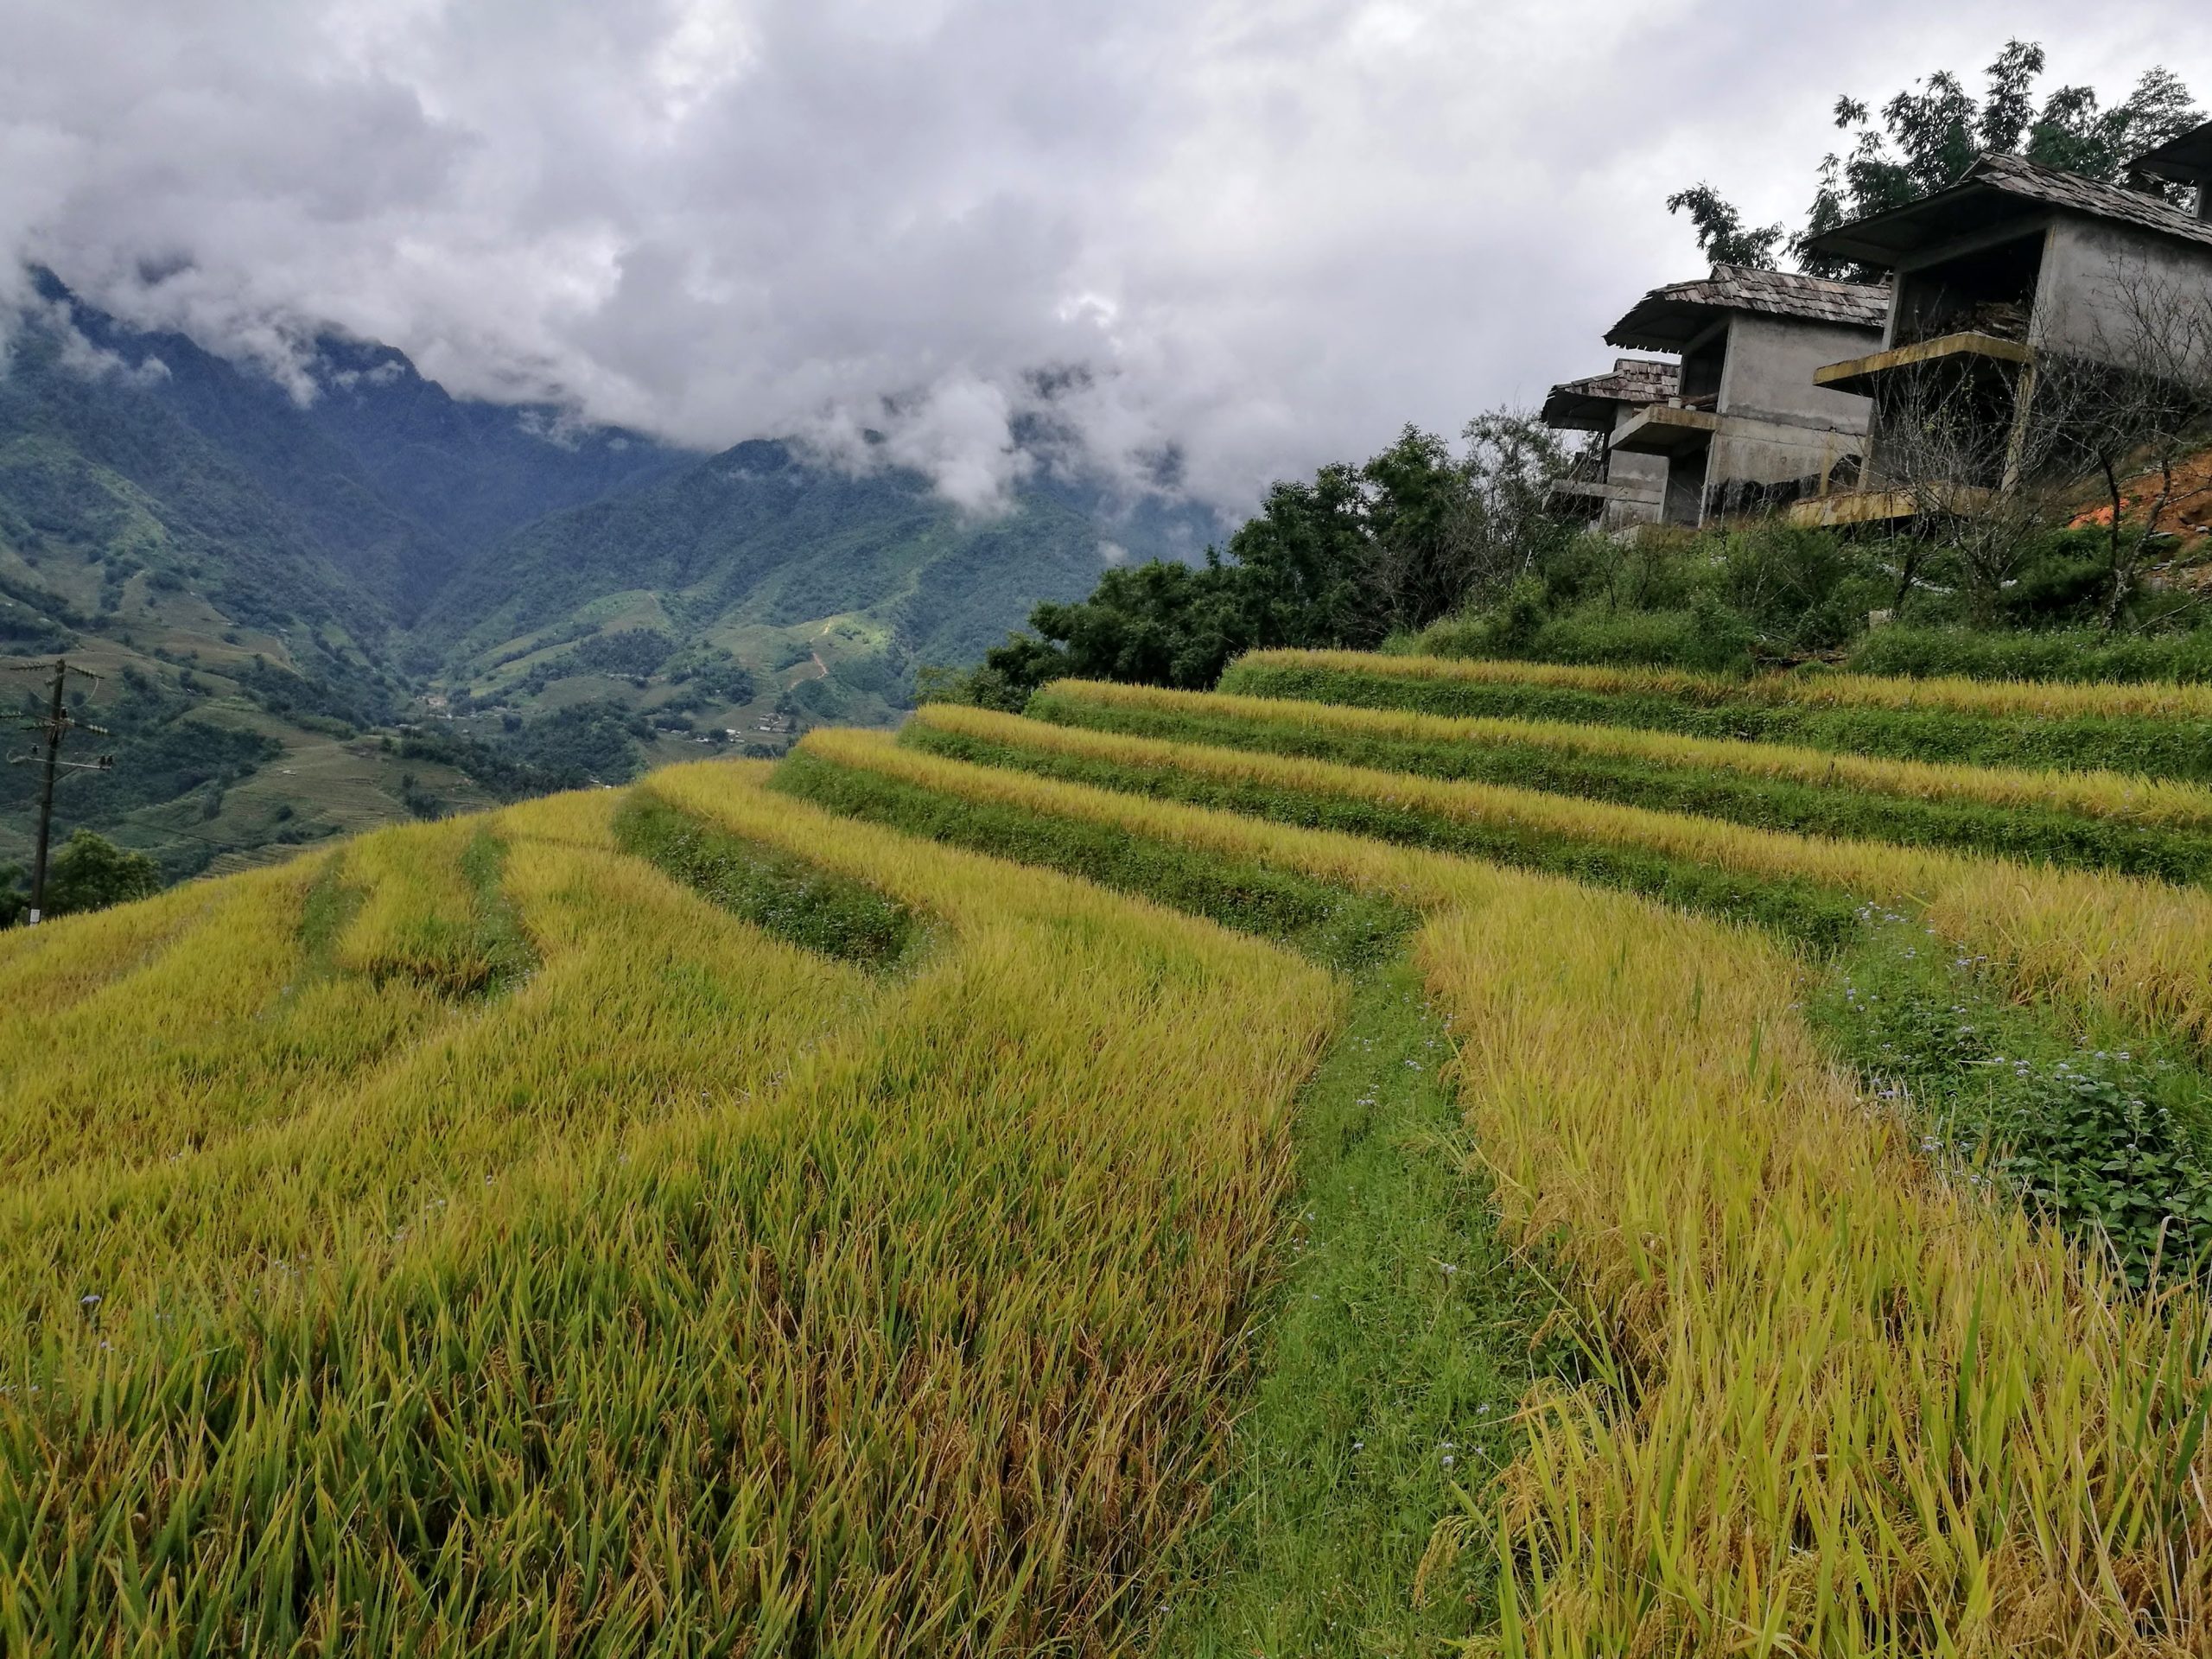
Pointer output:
x,y
2100,435
1346,558
1920,140
2132,415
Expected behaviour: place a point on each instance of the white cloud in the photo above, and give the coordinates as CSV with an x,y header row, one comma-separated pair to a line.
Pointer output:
x,y
76,355
1267,234
957,431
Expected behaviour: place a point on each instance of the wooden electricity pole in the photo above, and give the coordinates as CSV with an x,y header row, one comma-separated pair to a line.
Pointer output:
x,y
53,725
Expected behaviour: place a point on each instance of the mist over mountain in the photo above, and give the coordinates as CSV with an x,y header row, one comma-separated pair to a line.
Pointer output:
x,y
327,598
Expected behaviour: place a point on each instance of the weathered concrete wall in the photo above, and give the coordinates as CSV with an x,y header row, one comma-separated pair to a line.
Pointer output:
x,y
1769,371
2103,285
1757,467
1646,475
1685,490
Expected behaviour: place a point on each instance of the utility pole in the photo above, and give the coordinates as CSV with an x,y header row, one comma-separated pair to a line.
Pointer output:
x,y
52,726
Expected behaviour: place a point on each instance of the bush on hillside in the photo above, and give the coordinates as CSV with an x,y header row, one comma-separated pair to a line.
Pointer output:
x,y
1352,558
1773,595
1705,635
2070,654
87,872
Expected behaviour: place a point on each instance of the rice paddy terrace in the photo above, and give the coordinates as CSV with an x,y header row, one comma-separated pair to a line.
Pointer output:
x,y
1395,1156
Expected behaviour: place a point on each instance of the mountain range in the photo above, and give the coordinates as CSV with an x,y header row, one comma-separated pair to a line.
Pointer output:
x,y
320,602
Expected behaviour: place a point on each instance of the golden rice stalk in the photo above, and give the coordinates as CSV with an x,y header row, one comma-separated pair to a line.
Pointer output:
x,y
2142,949
2094,794
699,1291
2047,698
1843,1402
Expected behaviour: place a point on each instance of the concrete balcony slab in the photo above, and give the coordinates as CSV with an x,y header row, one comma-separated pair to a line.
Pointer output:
x,y
1972,353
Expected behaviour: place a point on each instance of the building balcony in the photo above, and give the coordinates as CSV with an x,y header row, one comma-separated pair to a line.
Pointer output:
x,y
1970,354
1664,430
1597,490
1846,508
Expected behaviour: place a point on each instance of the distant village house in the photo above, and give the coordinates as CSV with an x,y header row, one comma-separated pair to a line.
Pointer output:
x,y
2013,267
1606,489
1747,429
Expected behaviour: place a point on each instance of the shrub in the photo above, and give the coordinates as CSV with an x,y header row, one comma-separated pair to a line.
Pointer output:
x,y
90,872
2078,655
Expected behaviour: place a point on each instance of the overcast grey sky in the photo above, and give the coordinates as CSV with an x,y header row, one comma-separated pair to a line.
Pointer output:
x,y
1270,234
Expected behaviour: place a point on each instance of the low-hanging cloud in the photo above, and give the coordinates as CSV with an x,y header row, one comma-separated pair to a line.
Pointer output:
x,y
1250,236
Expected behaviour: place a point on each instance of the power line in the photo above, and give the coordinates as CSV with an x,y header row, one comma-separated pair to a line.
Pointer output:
x,y
54,725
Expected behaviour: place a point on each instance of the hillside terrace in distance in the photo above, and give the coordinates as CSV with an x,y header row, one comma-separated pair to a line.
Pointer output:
x,y
1612,489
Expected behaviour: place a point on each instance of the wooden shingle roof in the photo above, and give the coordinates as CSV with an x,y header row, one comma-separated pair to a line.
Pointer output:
x,y
2185,160
1589,405
1668,318
1996,188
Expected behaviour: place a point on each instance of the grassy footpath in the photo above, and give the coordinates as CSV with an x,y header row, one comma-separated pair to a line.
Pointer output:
x,y
1844,1402
2103,822
1396,1354
2145,735
1399,1344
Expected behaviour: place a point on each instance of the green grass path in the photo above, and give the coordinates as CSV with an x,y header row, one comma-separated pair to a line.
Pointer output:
x,y
1395,1355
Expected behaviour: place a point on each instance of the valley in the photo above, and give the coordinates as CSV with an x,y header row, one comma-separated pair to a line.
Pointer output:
x,y
382,603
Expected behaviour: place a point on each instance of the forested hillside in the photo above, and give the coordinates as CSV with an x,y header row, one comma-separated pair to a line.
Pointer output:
x,y
830,587
321,604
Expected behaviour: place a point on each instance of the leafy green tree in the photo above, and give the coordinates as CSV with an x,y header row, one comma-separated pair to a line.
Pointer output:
x,y
1722,236
1924,137
1346,558
90,872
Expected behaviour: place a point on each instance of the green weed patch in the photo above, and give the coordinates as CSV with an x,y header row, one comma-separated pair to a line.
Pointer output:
x,y
2152,749
810,907
1342,930
2107,1130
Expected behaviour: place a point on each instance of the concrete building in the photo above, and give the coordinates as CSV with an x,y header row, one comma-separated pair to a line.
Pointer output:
x,y
1611,490
1746,430
2014,264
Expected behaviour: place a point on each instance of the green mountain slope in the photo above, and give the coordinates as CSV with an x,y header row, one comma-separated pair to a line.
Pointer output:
x,y
317,614
396,481
828,587
239,577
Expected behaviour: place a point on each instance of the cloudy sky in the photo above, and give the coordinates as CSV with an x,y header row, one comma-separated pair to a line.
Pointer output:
x,y
1266,233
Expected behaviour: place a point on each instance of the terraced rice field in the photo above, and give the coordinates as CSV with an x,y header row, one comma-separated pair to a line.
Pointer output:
x,y
1395,1157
